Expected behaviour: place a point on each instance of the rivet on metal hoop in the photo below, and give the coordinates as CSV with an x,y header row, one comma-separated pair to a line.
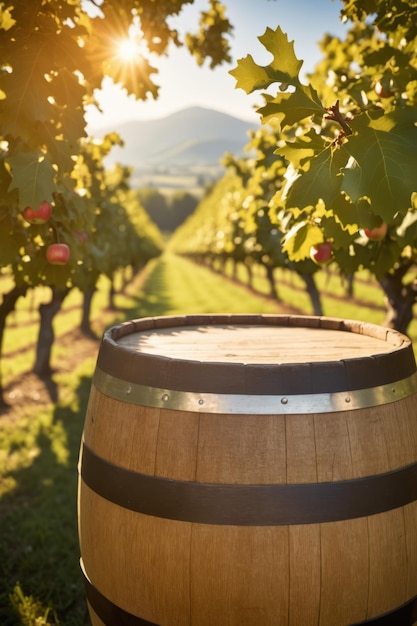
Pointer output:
x,y
128,390
347,399
165,397
284,400
201,401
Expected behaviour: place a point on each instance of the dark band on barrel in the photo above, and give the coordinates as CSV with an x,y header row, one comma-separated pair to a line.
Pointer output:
x,y
248,505
109,613
112,615
262,379
405,615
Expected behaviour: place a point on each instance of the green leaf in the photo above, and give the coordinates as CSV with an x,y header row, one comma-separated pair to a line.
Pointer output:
x,y
348,262
6,19
321,181
34,178
12,237
23,103
302,149
67,90
385,150
285,65
335,231
299,239
284,68
352,177
250,76
137,81
26,87
347,214
385,257
60,142
293,107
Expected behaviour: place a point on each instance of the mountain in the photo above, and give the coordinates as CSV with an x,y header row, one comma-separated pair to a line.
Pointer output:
x,y
190,138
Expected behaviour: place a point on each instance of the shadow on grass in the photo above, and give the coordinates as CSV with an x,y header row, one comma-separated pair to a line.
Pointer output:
x,y
38,526
39,551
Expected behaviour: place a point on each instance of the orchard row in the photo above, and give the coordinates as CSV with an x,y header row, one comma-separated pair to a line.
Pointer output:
x,y
235,222
53,246
331,173
64,219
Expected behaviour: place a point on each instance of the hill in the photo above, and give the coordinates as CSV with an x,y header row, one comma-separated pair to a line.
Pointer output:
x,y
180,150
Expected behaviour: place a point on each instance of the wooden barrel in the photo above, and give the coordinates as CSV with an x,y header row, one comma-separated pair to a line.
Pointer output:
x,y
250,470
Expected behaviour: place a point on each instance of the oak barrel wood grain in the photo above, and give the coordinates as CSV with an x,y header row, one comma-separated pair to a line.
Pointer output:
x,y
328,559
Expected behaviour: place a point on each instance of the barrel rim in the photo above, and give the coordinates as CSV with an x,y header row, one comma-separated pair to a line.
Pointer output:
x,y
251,378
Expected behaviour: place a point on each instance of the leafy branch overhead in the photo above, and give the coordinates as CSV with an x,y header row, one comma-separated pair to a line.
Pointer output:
x,y
331,176
284,69
55,56
365,152
32,176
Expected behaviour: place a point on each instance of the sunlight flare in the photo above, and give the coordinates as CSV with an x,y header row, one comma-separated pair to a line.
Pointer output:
x,y
128,49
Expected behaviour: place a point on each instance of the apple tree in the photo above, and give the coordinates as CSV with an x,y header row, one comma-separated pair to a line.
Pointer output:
x,y
262,176
119,235
54,56
349,135
234,223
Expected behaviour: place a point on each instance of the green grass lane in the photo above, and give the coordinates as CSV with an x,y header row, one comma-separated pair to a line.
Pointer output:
x,y
40,582
178,286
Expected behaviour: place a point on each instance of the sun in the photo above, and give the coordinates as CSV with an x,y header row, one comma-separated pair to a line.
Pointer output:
x,y
127,49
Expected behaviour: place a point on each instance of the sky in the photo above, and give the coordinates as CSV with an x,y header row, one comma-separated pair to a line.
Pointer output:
x,y
183,83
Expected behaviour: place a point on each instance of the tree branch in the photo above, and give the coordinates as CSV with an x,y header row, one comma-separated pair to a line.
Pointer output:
x,y
336,116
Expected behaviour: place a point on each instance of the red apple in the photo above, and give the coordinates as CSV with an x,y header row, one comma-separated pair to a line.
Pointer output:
x,y
58,254
375,234
381,91
322,253
40,215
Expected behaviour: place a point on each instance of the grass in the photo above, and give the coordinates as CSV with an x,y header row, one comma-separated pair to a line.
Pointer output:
x,y
38,534
40,581
195,289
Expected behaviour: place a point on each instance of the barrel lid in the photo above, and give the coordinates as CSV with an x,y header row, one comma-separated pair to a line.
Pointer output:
x,y
255,354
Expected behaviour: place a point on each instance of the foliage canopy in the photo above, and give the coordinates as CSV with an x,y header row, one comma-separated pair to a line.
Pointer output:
x,y
54,56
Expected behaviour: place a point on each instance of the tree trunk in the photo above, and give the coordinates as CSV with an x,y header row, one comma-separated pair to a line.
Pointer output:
x,y
220,265
234,269
272,285
7,306
349,284
112,293
85,325
249,270
42,367
127,276
399,300
313,293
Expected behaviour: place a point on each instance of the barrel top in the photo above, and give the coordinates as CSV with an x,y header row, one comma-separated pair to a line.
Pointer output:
x,y
258,354
253,344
